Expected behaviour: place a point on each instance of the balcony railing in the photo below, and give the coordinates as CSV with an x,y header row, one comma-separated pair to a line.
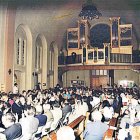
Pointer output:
x,y
65,60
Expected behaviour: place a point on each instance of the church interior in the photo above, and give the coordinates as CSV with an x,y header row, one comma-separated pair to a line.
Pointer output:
x,y
35,35
92,44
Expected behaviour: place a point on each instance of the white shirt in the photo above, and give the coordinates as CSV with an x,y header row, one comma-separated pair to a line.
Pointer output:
x,y
57,114
108,112
29,125
96,100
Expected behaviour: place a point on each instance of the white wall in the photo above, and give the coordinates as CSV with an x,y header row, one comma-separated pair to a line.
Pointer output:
x,y
2,42
126,75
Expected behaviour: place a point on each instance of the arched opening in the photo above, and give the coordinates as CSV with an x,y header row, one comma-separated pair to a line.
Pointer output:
x,y
40,67
53,67
23,57
99,34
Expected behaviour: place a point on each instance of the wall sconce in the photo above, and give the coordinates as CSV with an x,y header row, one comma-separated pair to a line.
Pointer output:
x,y
34,73
9,71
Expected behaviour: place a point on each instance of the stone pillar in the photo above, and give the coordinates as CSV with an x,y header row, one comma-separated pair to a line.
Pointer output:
x,y
9,48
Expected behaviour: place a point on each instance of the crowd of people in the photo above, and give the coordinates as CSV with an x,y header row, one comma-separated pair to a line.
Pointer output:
x,y
34,113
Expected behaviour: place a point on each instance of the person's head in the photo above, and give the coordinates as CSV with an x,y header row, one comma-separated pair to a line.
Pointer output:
x,y
22,100
8,119
24,93
4,97
39,109
30,111
105,103
15,84
96,115
46,107
17,99
65,133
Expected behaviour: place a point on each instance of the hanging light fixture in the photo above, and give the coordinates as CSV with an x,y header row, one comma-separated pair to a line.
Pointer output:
x,y
89,11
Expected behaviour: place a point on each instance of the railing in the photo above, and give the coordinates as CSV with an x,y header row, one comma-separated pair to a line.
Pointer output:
x,y
77,124
64,60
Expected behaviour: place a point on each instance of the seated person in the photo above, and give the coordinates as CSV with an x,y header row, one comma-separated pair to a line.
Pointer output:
x,y
66,108
95,130
13,130
42,118
29,123
107,110
57,114
47,112
65,133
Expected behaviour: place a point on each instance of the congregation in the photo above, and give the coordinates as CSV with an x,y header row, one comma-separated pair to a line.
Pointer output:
x,y
32,114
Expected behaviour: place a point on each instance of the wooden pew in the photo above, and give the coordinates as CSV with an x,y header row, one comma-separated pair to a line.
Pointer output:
x,y
109,133
77,123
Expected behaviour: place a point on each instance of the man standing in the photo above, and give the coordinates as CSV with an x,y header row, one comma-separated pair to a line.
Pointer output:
x,y
15,88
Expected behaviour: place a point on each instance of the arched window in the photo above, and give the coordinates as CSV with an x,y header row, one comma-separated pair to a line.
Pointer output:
x,y
38,58
23,50
20,51
51,51
100,55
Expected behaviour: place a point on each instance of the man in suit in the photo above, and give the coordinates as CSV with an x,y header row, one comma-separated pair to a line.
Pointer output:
x,y
16,108
41,117
66,109
13,130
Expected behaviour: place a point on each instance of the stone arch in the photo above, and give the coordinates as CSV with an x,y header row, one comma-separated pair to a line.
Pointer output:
x,y
26,71
53,68
41,42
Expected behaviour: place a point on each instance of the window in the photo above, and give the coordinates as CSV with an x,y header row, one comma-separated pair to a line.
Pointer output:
x,y
100,55
18,51
93,72
23,52
90,55
38,58
95,55
99,72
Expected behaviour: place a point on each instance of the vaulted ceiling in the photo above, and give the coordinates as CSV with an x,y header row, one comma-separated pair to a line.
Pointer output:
x,y
128,10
